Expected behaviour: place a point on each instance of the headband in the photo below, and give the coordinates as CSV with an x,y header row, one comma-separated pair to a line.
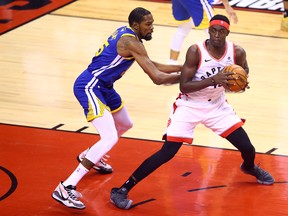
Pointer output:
x,y
220,22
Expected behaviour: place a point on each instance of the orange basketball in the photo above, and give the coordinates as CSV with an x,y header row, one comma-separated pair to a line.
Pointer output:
x,y
241,78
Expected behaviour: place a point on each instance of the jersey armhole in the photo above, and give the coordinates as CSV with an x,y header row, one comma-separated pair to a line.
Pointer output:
x,y
234,53
200,56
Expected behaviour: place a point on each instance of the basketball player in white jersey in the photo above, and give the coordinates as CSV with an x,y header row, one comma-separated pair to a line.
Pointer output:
x,y
201,101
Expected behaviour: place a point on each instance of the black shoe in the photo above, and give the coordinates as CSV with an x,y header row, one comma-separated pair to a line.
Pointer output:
x,y
119,197
263,177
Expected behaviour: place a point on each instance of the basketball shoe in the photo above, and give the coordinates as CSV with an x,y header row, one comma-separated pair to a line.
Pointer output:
x,y
262,176
101,166
68,196
118,196
284,24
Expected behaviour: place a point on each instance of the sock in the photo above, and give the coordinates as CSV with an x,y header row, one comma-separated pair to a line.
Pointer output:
x,y
173,62
130,183
76,176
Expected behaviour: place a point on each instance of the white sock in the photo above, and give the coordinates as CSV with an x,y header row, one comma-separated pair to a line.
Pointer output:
x,y
76,176
172,62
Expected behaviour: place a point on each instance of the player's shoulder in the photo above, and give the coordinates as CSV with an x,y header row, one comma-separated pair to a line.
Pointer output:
x,y
198,47
239,49
195,47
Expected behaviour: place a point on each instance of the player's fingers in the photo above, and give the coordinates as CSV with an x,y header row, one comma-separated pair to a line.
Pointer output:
x,y
235,18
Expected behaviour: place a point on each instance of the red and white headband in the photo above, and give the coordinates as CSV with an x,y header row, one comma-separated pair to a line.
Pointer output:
x,y
221,23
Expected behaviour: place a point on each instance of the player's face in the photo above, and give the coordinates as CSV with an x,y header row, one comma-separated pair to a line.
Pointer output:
x,y
218,35
146,27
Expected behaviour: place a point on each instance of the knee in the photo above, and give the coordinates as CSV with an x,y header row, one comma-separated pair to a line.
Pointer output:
x,y
112,139
184,28
129,125
123,127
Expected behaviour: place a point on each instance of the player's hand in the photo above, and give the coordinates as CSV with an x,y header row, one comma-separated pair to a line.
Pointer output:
x,y
222,78
231,13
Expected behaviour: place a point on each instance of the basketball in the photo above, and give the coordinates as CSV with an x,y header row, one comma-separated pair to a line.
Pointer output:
x,y
241,78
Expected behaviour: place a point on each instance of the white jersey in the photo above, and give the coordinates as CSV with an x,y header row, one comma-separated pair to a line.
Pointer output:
x,y
207,106
209,66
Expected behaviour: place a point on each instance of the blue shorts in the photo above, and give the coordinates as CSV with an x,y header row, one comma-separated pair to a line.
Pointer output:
x,y
95,97
198,10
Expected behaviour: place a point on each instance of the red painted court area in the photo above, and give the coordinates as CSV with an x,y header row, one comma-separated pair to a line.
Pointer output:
x,y
198,181
14,13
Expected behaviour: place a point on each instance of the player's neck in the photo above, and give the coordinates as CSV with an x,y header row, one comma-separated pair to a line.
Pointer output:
x,y
215,51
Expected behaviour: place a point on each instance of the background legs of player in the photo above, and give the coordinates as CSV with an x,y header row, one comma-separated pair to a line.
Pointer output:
x,y
178,39
284,23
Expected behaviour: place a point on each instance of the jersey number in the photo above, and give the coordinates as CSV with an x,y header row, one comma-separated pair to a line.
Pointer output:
x,y
106,44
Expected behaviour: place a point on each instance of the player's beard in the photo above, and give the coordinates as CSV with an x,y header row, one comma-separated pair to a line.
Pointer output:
x,y
148,37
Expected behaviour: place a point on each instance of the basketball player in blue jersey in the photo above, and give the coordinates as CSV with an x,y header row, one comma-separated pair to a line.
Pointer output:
x,y
189,14
202,100
102,105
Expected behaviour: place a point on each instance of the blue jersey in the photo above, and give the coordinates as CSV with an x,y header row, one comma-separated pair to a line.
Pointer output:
x,y
107,65
94,86
201,11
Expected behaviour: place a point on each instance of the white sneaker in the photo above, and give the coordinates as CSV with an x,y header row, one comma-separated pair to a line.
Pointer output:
x,y
68,196
100,166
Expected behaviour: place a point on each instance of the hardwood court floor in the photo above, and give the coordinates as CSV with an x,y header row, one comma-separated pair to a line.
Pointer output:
x,y
39,66
39,63
198,181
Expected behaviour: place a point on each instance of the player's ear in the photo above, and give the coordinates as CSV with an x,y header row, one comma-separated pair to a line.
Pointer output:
x,y
228,31
135,26
209,29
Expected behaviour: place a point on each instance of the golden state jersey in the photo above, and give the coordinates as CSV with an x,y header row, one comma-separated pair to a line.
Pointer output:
x,y
107,65
201,11
209,66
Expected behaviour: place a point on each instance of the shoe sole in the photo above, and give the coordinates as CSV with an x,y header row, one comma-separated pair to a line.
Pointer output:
x,y
259,181
129,204
55,196
265,183
100,170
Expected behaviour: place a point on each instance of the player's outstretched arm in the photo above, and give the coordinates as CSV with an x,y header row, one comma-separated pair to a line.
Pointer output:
x,y
168,68
129,46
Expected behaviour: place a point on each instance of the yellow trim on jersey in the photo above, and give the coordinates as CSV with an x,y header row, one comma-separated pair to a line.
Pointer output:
x,y
182,21
119,108
128,34
205,22
90,116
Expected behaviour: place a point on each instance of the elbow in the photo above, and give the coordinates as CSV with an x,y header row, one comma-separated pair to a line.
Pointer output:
x,y
164,78
158,81
184,89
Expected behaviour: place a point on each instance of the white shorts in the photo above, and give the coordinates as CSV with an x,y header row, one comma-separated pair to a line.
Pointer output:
x,y
215,114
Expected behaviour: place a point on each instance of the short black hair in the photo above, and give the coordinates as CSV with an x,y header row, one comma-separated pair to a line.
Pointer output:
x,y
220,17
137,15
